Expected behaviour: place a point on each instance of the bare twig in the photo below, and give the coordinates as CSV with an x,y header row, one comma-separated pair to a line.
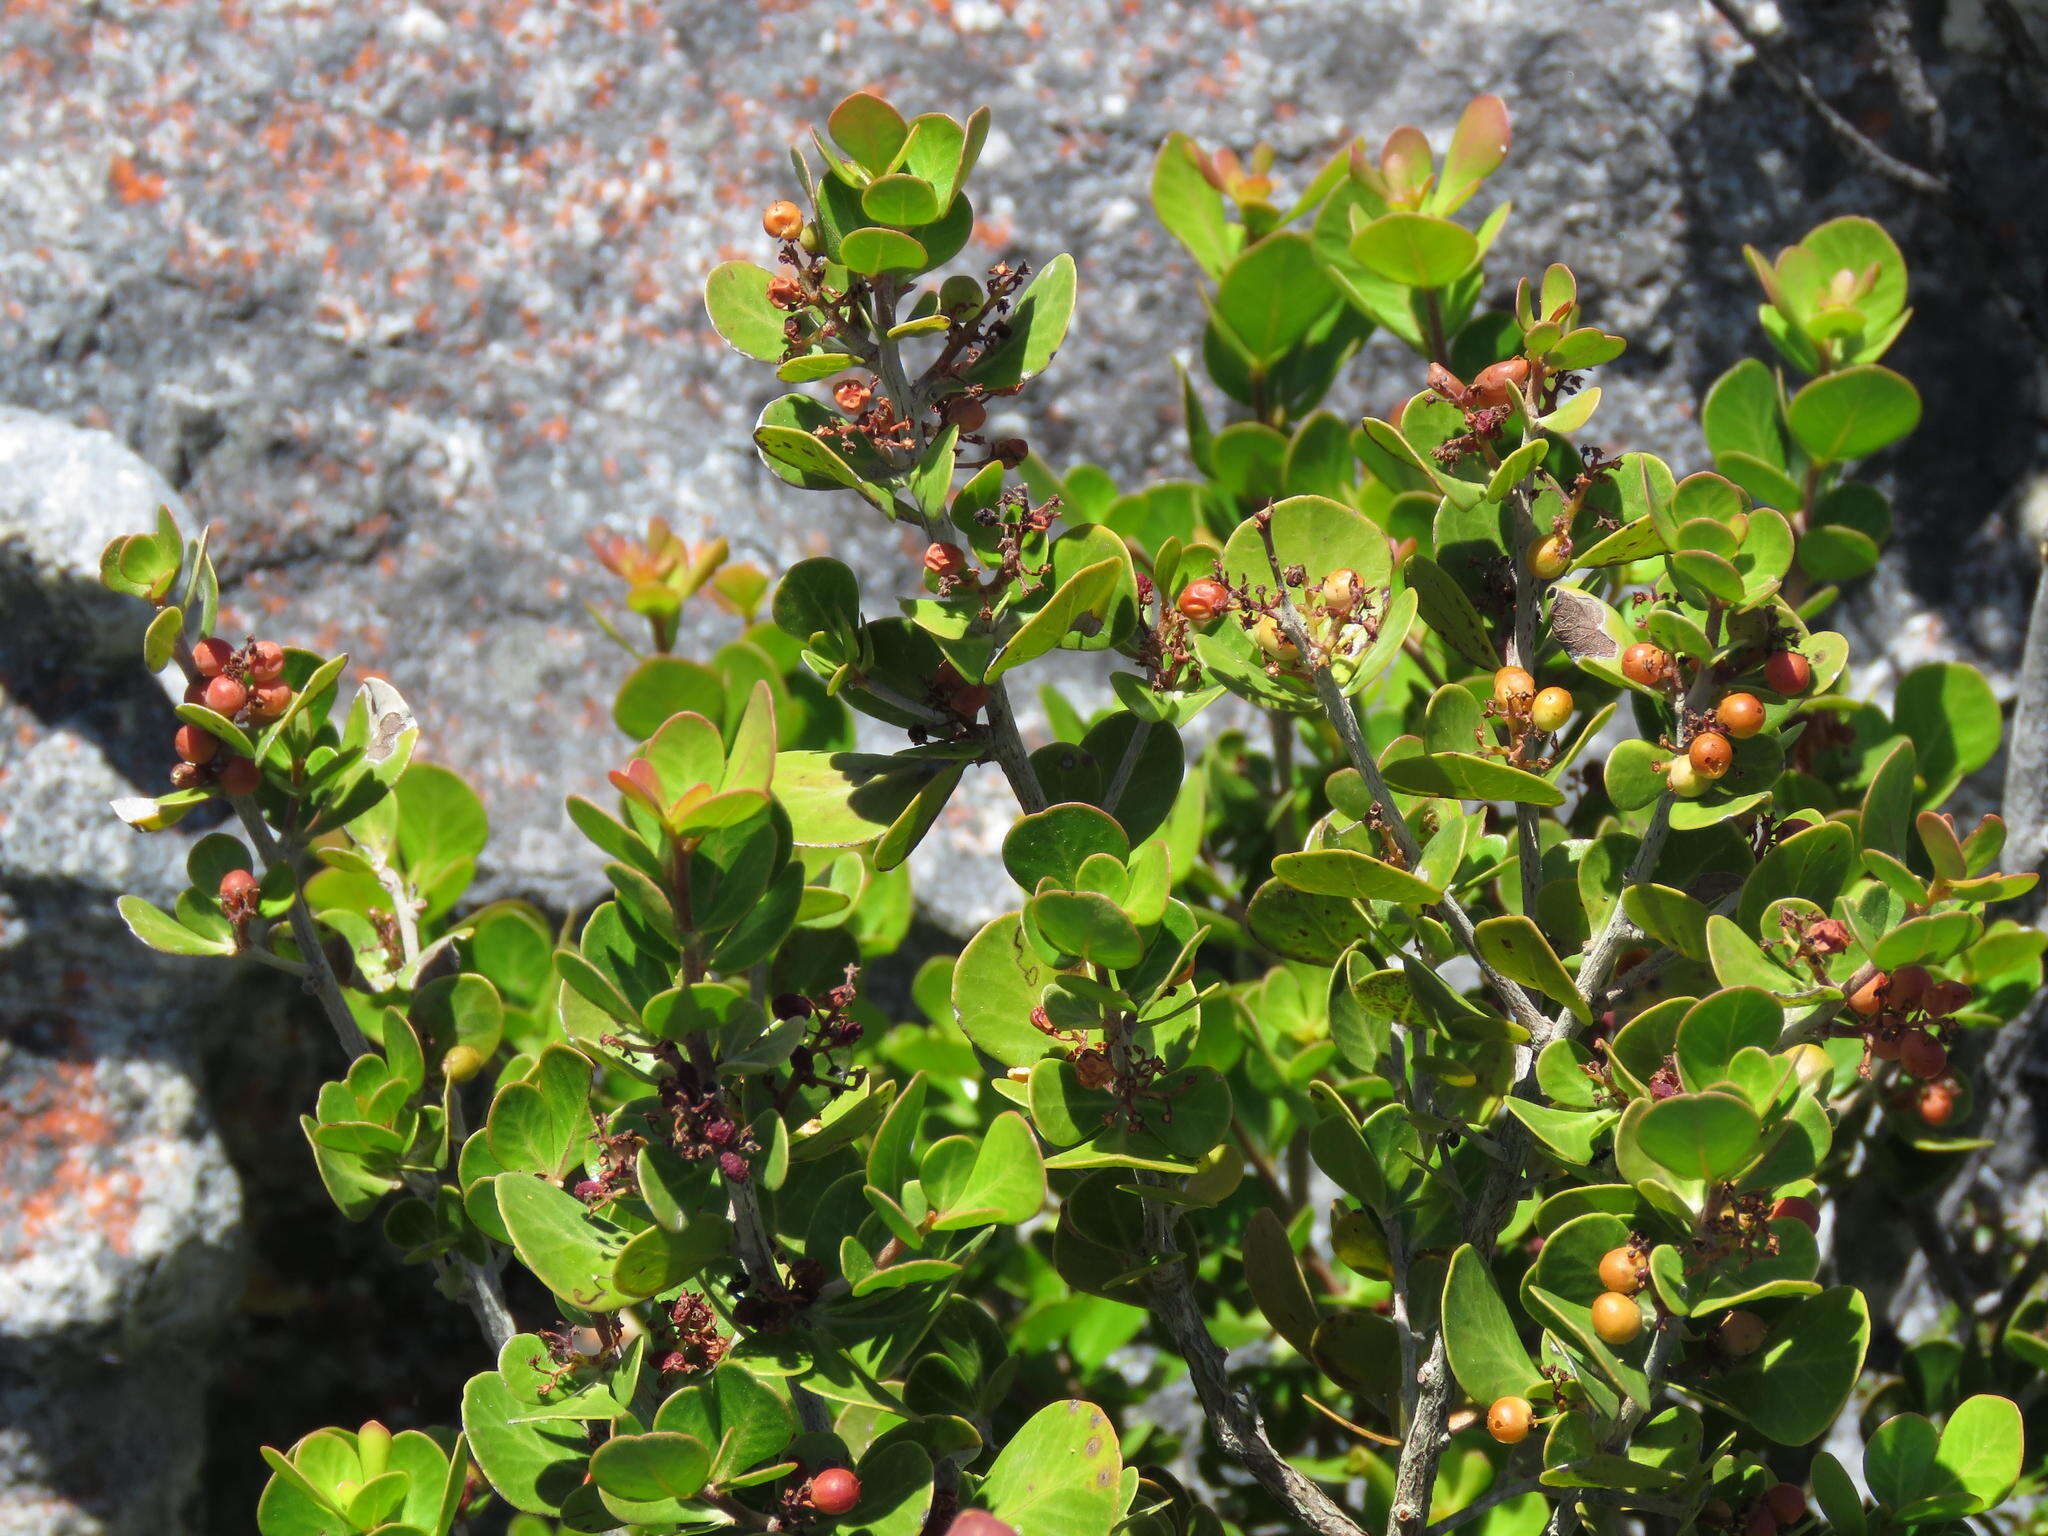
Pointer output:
x,y
2026,761
1010,753
1859,146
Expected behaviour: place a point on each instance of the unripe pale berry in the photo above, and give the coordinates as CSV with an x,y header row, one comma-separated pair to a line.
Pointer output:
x,y
1547,559
1550,709
1620,1270
1741,715
1922,1055
194,745
226,696
834,1491
1786,1502
783,220
1496,384
1267,636
1339,592
1513,688
1789,673
210,655
266,661
1710,754
1684,779
1796,1208
240,776
1809,1062
1868,999
1645,665
1616,1318
1200,601
459,1063
1739,1334
1508,1420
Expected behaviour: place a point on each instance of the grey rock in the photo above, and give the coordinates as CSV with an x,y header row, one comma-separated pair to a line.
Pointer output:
x,y
119,1236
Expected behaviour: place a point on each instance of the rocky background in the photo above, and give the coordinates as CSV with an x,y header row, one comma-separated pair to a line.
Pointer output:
x,y
402,297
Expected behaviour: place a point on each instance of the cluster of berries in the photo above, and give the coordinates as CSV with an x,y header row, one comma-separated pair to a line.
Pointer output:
x,y
1708,755
245,686
1340,598
1901,1012
1522,703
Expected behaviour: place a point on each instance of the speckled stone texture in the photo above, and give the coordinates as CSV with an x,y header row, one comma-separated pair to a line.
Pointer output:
x,y
402,296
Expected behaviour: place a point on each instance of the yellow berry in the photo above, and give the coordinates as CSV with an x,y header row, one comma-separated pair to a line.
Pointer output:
x,y
1550,709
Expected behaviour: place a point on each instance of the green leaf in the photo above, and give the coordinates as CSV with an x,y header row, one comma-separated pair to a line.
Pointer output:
x,y
1462,776
533,1464
1189,206
1313,532
165,934
869,129
1082,599
1272,294
996,985
1037,324
1053,843
902,200
1303,927
662,687
1342,872
1814,865
1449,612
559,1241
645,1468
1516,947
819,595
1703,1136
1274,1277
1792,1388
1853,412
1060,1475
849,799
1953,718
874,251
1486,1353
1415,250
736,297
1088,926
1006,1184
1982,1451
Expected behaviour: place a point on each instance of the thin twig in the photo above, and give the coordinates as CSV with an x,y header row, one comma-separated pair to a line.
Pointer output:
x,y
1010,754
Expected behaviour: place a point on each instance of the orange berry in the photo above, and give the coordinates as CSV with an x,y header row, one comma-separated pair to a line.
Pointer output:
x,y
1508,1420
1497,383
266,661
236,887
1739,1334
1869,999
1936,1103
226,696
1646,665
783,220
1741,715
1620,1269
211,655
1616,1318
1513,689
1710,754
194,745
944,560
240,776
272,700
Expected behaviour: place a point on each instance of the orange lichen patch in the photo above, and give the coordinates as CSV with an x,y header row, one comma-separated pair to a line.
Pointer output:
x,y
131,185
62,1162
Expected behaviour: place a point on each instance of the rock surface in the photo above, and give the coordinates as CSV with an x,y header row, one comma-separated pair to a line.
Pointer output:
x,y
402,297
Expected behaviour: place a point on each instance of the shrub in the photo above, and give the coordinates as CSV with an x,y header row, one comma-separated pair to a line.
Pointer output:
x,y
1470,1020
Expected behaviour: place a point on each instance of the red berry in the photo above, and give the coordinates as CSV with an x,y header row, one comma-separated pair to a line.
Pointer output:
x,y
272,700
1937,1102
1621,1270
785,292
944,560
236,887
1741,715
1760,1522
1946,997
240,776
194,745
834,1491
1496,384
1716,1513
1200,601
266,661
1908,989
783,220
1788,672
186,776
1797,1208
1786,1502
226,696
1922,1055
967,415
210,655
968,700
